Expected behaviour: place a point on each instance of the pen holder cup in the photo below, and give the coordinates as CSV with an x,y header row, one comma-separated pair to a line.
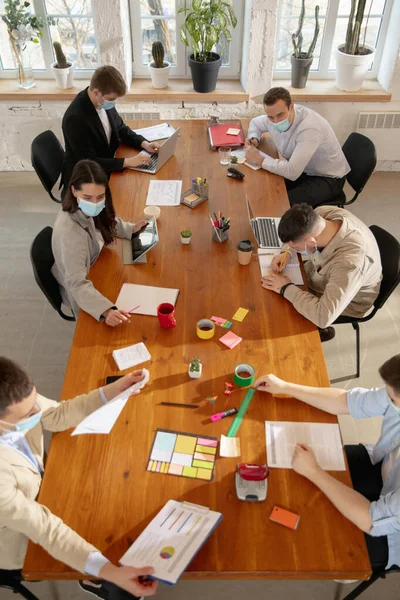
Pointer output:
x,y
201,189
221,236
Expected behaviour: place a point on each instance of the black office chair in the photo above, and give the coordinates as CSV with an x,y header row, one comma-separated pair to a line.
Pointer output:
x,y
42,260
47,156
360,153
389,249
12,582
364,585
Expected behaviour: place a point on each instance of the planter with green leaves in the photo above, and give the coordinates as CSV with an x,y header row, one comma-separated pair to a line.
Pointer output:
x,y
301,61
159,68
206,23
63,70
186,236
354,57
195,368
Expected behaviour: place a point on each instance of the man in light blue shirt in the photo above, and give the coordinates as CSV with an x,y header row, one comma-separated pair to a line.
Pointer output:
x,y
374,503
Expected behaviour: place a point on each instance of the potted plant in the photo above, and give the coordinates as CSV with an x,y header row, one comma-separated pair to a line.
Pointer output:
x,y
186,236
63,71
22,27
352,58
195,368
159,68
301,61
205,23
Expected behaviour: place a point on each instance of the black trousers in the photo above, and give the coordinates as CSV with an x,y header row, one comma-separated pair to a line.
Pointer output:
x,y
367,480
313,190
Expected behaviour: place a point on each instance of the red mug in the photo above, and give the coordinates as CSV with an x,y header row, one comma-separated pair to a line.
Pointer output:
x,y
166,315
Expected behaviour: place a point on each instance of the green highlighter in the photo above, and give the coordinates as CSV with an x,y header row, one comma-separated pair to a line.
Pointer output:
x,y
237,421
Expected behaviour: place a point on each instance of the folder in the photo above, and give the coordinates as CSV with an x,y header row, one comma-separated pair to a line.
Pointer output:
x,y
220,137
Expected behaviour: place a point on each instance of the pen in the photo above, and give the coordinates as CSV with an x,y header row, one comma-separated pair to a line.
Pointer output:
x,y
282,261
180,404
132,309
198,180
205,182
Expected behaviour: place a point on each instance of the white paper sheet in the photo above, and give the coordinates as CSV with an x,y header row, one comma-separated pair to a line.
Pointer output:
x,y
242,153
164,193
147,296
131,356
156,132
229,446
103,419
292,269
323,438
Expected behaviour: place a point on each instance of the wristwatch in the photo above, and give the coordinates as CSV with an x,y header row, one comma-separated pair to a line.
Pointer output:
x,y
283,288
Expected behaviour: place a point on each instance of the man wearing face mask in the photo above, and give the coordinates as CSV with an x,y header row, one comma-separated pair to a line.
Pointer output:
x,y
93,129
314,166
374,503
343,266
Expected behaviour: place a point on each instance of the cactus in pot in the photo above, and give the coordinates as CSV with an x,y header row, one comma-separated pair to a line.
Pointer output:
x,y
62,69
157,51
159,68
61,61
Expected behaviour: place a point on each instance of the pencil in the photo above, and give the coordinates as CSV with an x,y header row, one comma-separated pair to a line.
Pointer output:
x,y
282,261
180,404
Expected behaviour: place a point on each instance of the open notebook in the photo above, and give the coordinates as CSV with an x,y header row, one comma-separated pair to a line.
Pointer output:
x,y
292,269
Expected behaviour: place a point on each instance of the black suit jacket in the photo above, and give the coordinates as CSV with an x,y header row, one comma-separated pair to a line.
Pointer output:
x,y
85,137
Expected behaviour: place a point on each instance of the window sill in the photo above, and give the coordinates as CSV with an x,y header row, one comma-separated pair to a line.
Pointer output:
x,y
324,90
228,91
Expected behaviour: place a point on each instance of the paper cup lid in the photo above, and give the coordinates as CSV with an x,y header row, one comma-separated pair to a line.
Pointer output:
x,y
245,246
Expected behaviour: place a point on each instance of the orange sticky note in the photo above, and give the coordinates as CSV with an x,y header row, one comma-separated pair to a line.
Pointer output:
x,y
284,517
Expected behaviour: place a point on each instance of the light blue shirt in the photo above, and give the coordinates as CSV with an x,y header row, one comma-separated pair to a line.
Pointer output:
x,y
385,512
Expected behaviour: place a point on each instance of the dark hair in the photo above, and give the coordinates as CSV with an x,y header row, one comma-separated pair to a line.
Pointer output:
x,y
89,171
108,80
296,222
390,372
275,94
15,384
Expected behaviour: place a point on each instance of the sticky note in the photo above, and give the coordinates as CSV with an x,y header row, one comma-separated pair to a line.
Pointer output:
x,y
229,446
185,444
207,442
203,464
189,472
182,459
233,131
206,449
204,474
219,320
230,339
164,441
191,198
240,314
163,455
175,469
202,456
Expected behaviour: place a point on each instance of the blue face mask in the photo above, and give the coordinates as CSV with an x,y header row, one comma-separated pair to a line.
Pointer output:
x,y
305,252
108,104
396,408
282,126
26,424
91,209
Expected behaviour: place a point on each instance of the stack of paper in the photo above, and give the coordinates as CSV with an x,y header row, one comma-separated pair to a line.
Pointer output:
x,y
164,193
292,269
146,296
131,356
156,132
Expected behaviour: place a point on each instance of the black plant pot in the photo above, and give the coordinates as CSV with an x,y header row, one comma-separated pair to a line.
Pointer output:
x,y
300,69
204,74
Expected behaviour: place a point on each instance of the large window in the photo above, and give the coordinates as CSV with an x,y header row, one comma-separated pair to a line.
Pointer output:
x,y
333,23
67,21
158,20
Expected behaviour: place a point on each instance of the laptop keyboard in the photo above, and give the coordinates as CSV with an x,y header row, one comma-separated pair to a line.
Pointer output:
x,y
266,233
154,159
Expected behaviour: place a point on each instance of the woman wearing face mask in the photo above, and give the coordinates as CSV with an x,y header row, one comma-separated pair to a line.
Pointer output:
x,y
84,225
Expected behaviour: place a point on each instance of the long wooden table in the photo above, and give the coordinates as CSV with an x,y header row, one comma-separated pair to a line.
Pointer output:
x,y
99,485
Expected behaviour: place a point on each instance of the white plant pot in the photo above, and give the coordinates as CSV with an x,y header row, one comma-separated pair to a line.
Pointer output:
x,y
64,77
351,69
159,77
195,374
186,240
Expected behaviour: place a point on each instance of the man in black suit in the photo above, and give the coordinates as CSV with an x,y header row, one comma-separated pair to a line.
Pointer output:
x,y
93,129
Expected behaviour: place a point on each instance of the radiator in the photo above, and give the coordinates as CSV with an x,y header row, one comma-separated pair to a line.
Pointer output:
x,y
132,115
383,128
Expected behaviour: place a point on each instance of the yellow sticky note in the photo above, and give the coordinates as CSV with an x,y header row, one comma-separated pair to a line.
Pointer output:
x,y
189,472
240,314
204,474
185,444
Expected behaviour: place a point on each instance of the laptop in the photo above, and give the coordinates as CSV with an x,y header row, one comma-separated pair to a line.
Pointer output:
x,y
265,229
158,159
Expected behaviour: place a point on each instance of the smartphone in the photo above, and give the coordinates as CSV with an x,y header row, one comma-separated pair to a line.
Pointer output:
x,y
112,378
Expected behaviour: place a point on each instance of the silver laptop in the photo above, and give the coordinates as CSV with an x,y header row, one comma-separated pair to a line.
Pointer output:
x,y
265,229
159,159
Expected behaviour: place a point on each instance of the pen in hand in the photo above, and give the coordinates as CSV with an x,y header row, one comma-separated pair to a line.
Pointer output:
x,y
281,264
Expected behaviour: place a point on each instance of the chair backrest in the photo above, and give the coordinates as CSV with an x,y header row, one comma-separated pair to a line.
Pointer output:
x,y
42,260
47,156
389,249
360,153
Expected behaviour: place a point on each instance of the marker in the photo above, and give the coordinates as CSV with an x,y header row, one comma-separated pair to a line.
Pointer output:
x,y
222,415
198,180
180,404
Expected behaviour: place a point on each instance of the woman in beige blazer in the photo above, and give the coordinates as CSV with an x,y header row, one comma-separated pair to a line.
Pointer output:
x,y
85,223
24,414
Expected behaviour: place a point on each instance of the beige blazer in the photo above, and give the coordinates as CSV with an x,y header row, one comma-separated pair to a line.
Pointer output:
x,y
21,517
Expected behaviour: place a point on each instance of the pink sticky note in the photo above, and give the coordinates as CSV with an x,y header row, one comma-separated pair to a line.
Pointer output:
x,y
230,339
207,442
218,320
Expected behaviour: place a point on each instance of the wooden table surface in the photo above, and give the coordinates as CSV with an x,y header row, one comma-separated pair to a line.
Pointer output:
x,y
98,484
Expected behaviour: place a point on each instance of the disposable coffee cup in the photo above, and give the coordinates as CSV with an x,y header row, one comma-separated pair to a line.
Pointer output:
x,y
244,251
152,211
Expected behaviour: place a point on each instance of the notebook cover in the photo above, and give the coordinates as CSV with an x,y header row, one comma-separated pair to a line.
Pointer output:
x,y
219,136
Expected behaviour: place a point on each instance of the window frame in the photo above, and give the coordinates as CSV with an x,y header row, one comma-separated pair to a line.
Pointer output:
x,y
181,70
331,18
39,7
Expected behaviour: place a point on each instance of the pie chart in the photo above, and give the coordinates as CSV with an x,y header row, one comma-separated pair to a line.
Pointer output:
x,y
167,552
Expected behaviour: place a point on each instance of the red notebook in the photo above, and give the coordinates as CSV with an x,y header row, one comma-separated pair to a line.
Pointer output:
x,y
219,137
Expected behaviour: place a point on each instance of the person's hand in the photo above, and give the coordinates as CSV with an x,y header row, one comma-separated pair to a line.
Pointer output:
x,y
115,317
117,387
274,282
151,146
139,225
137,161
253,156
251,142
270,383
130,579
277,264
304,461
